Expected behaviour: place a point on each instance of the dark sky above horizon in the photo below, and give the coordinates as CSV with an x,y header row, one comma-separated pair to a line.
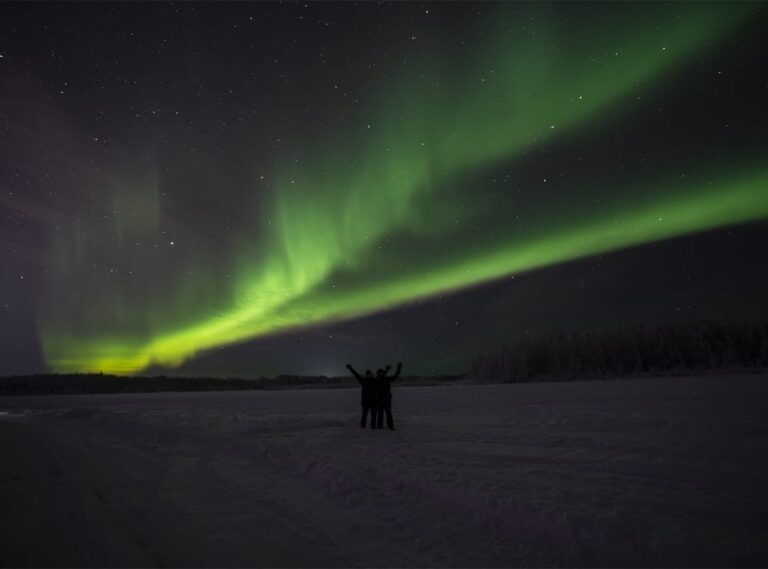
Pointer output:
x,y
260,188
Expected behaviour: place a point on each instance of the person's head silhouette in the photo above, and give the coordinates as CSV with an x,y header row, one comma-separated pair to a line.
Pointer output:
x,y
368,373
381,372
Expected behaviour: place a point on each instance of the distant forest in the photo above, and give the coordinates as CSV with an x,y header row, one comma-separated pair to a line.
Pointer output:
x,y
46,384
670,348
63,384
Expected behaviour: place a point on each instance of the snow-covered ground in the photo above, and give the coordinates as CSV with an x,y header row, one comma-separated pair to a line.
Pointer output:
x,y
663,472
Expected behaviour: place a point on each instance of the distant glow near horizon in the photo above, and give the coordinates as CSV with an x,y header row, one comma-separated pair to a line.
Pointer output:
x,y
396,207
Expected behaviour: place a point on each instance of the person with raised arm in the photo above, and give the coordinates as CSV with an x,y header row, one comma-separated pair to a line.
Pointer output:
x,y
384,396
367,396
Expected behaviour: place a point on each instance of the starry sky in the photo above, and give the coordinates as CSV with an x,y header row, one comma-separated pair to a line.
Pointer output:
x,y
252,189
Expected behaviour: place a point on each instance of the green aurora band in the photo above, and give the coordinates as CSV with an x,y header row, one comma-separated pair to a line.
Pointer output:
x,y
371,217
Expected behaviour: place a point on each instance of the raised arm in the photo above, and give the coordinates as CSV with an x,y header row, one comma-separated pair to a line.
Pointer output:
x,y
357,375
397,371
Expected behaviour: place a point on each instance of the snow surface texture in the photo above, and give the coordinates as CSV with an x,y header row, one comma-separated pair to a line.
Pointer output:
x,y
664,472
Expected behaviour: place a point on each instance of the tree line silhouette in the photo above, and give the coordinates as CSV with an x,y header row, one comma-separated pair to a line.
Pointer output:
x,y
667,348
63,384
45,384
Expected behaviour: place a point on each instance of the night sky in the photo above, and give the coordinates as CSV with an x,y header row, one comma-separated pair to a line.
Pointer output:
x,y
254,189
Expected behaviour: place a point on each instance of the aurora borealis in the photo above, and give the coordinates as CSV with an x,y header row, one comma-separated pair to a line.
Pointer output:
x,y
266,181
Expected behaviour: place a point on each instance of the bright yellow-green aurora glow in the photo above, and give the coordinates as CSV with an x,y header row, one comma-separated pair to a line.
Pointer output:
x,y
398,206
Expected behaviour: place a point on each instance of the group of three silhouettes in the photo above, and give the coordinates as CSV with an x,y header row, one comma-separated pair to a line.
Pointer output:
x,y
377,395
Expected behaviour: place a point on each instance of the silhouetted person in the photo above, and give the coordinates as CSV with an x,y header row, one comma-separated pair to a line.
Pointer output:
x,y
367,396
381,373
384,396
